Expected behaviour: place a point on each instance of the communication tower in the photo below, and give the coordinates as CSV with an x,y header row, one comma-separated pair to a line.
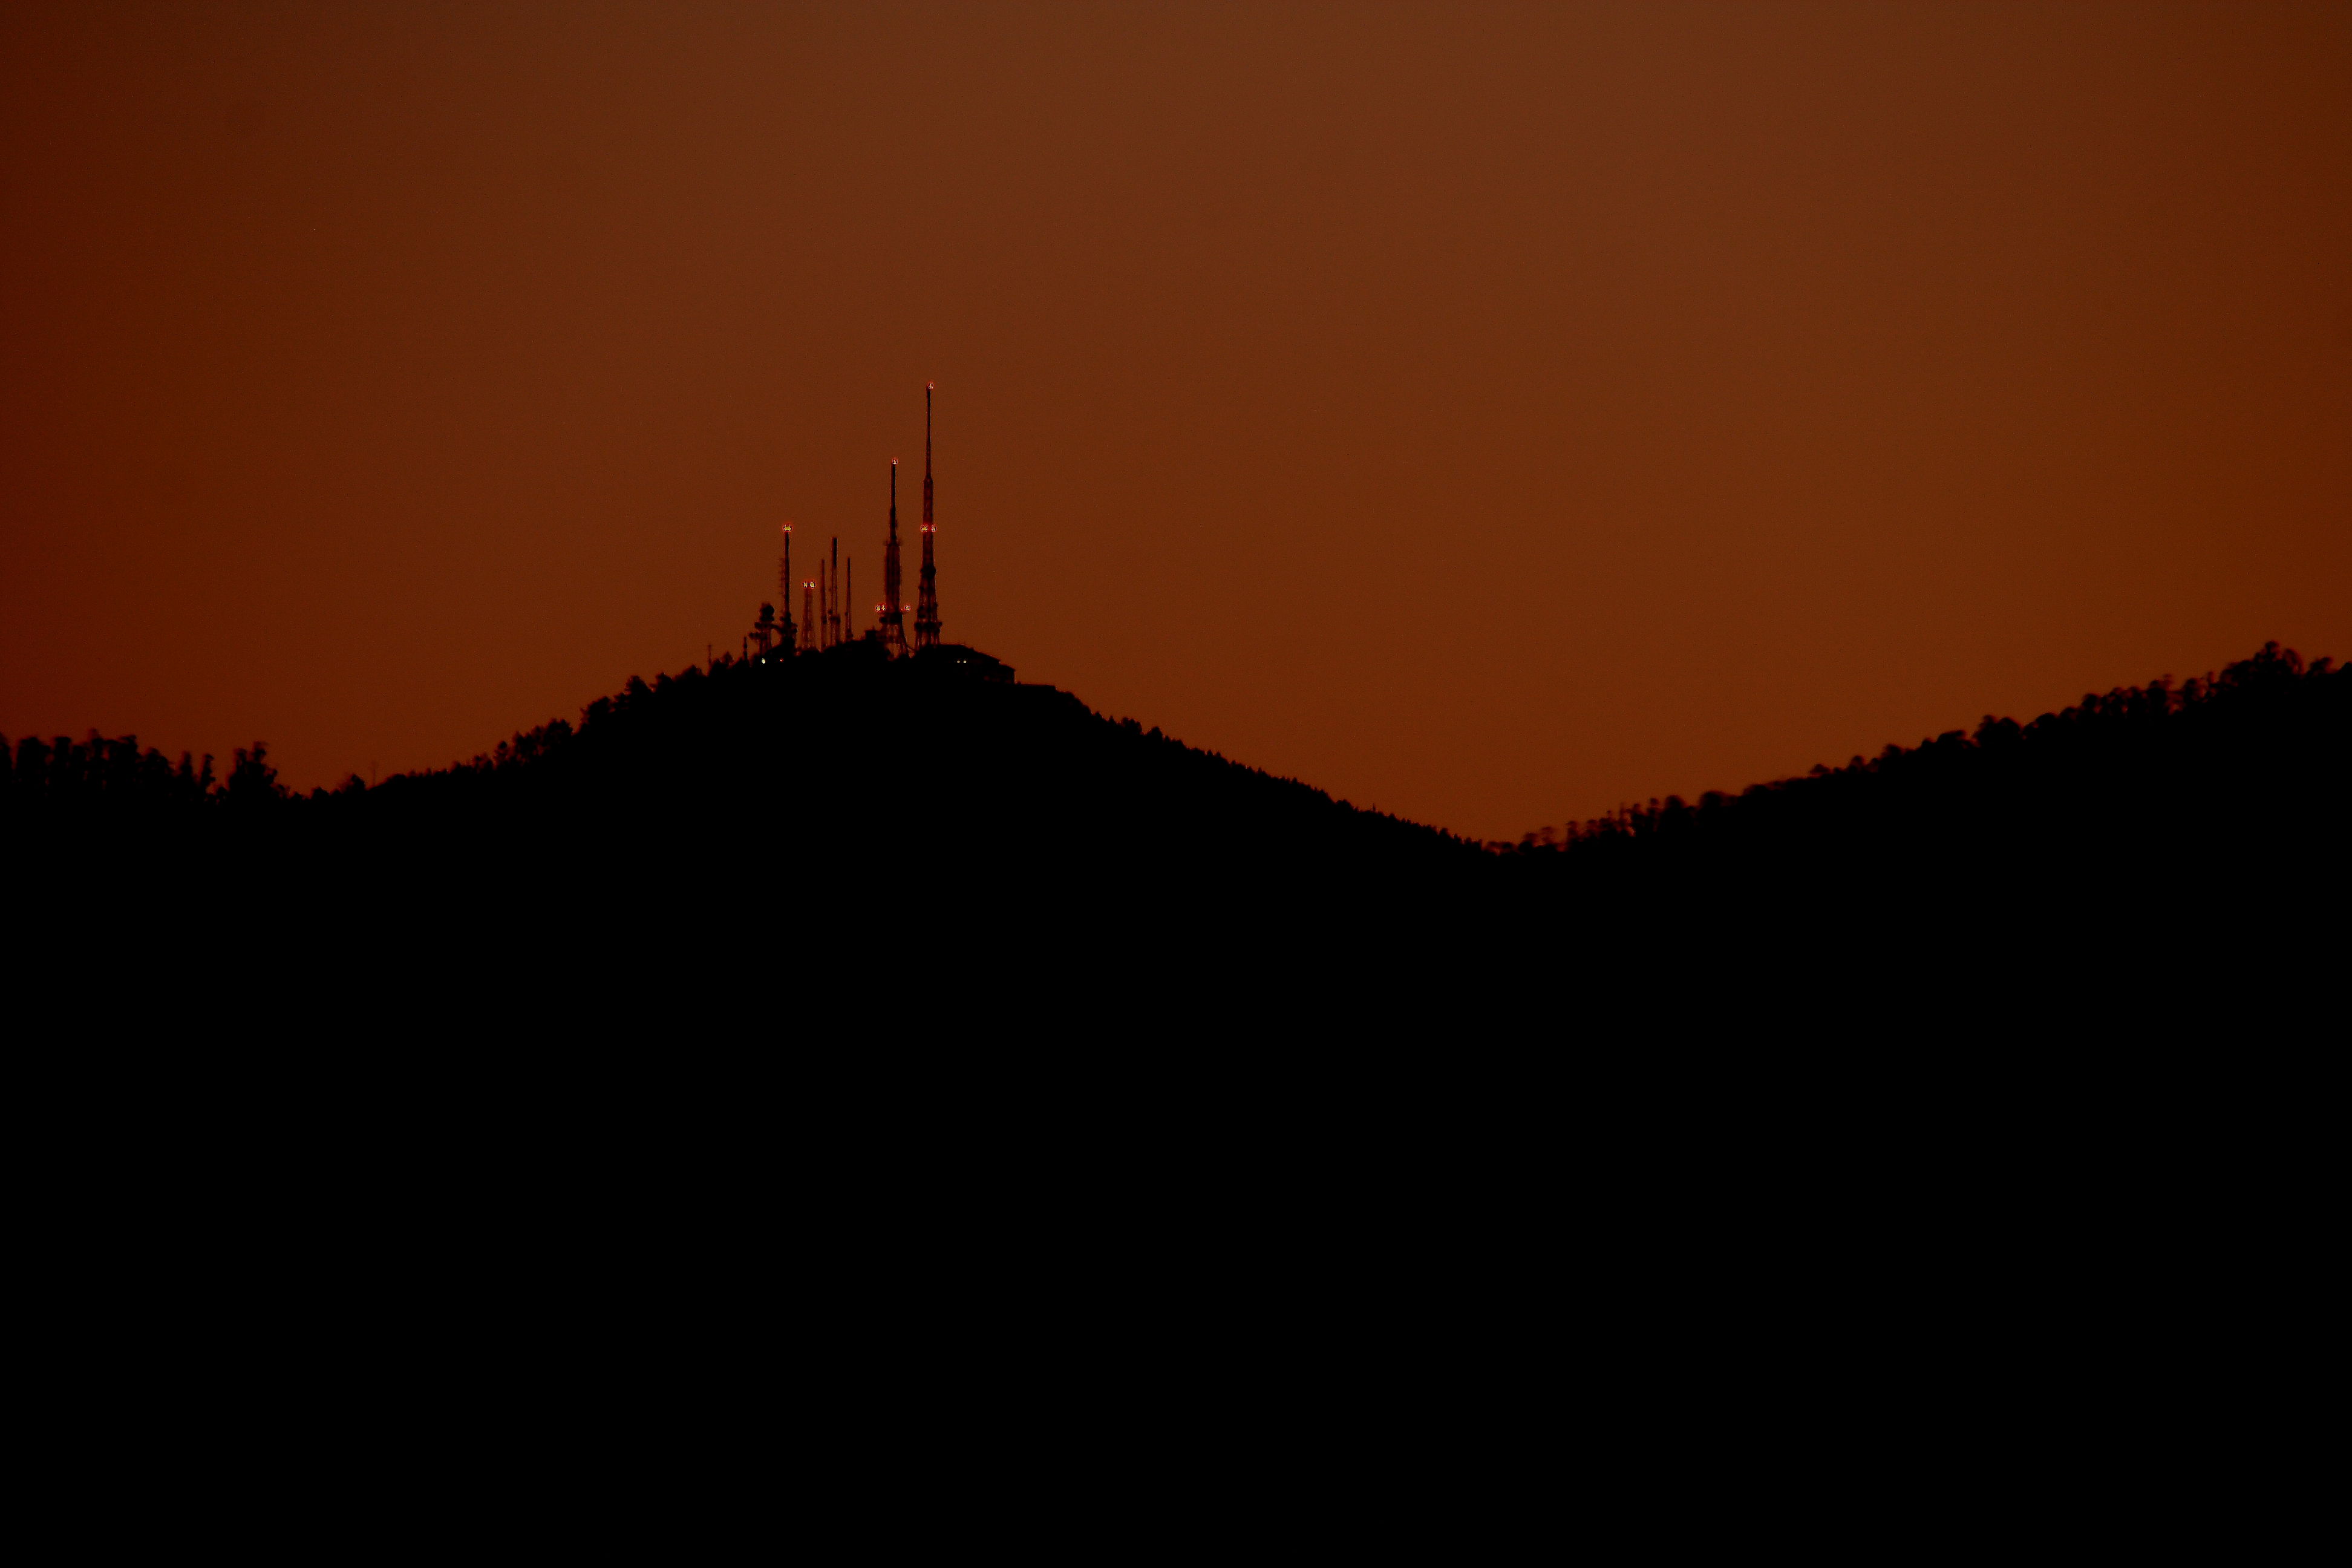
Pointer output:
x,y
894,614
789,639
927,605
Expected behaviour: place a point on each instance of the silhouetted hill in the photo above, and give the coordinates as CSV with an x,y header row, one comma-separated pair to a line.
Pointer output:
x,y
882,776
2258,757
2165,813
834,801
847,804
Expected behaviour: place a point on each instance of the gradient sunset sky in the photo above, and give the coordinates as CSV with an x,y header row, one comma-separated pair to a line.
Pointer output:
x,y
1490,414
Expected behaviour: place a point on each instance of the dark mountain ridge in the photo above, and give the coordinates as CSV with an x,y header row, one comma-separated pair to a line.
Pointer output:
x,y
826,793
2246,772
835,782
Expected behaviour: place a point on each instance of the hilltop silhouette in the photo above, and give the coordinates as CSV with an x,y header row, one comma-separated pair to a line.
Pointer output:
x,y
858,803
844,800
2248,766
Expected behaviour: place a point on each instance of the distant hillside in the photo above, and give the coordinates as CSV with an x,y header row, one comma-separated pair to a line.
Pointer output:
x,y
2140,804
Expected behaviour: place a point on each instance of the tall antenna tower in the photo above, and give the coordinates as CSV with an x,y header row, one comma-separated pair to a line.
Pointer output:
x,y
788,639
927,605
833,597
808,613
894,614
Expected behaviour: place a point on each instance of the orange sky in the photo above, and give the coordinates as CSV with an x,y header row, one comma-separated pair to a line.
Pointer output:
x,y
1485,414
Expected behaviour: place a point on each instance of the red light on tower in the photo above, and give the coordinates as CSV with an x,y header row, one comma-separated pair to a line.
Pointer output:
x,y
926,601
893,613
784,591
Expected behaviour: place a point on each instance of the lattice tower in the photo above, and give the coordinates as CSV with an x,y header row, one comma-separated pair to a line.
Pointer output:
x,y
927,604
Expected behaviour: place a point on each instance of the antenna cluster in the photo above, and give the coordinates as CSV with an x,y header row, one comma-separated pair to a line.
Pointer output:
x,y
827,618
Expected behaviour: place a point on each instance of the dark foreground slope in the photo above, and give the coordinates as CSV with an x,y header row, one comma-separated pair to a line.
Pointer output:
x,y
848,1010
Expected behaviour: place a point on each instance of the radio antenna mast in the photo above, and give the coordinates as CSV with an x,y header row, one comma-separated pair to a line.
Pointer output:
x,y
927,605
894,614
788,637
